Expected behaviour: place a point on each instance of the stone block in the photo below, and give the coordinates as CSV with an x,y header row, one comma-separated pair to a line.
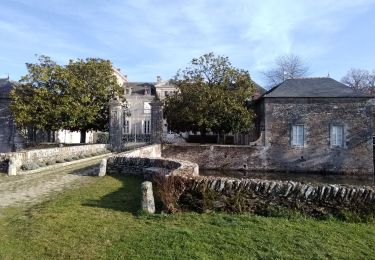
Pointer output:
x,y
102,168
148,202
12,168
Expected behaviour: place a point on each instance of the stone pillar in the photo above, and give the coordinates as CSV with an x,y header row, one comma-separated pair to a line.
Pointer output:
x,y
156,121
116,124
12,167
103,168
148,203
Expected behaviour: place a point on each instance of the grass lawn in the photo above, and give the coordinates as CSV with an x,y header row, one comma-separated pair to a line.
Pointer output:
x,y
101,221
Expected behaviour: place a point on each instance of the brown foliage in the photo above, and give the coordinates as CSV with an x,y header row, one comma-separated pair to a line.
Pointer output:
x,y
169,189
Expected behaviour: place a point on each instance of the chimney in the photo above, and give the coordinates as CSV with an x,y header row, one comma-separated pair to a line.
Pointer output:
x,y
158,79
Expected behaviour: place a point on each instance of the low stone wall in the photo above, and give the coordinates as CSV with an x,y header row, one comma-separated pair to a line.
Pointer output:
x,y
229,157
44,155
147,161
149,166
254,158
145,151
254,195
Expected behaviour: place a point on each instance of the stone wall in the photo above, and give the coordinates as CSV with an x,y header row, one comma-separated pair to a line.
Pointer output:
x,y
355,159
254,195
148,166
147,161
44,155
145,151
237,195
230,157
317,115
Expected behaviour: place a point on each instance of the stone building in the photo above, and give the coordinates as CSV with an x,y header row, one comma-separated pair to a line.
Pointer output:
x,y
316,124
139,95
10,139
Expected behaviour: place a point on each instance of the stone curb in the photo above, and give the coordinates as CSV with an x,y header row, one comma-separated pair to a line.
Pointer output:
x,y
60,165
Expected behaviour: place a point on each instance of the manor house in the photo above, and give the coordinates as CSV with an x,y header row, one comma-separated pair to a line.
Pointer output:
x,y
139,95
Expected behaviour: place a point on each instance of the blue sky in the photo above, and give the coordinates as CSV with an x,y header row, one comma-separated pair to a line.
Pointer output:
x,y
149,38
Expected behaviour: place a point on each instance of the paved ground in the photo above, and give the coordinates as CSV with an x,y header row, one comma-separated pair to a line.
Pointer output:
x,y
30,188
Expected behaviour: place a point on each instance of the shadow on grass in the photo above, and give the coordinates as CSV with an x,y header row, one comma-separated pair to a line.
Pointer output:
x,y
126,199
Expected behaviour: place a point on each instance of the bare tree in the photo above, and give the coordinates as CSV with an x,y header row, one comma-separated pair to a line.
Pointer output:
x,y
360,79
288,66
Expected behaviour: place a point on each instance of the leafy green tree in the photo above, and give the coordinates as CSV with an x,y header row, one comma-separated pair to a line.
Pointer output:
x,y
42,99
73,97
211,96
95,86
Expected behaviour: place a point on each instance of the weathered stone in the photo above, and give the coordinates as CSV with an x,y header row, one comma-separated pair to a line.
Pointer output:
x,y
148,202
103,168
308,191
335,190
12,167
156,121
116,123
273,184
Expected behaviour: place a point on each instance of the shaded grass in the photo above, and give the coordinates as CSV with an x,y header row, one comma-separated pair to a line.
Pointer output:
x,y
101,221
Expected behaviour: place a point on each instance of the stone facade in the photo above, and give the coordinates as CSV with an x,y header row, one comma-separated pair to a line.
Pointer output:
x,y
316,125
139,97
317,115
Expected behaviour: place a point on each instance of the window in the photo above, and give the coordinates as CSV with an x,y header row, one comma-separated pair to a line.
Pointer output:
x,y
126,127
146,108
146,126
298,135
337,136
147,91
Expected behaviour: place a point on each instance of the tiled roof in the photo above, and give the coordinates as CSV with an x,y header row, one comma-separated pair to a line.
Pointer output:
x,y
313,87
5,87
139,87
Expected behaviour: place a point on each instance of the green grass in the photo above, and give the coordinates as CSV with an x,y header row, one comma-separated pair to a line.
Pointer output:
x,y
101,220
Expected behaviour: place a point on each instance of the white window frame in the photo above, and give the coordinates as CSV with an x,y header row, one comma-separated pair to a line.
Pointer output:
x,y
146,127
127,126
146,108
337,136
298,135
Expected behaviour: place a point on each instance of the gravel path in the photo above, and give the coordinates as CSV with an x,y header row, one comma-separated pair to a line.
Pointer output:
x,y
35,187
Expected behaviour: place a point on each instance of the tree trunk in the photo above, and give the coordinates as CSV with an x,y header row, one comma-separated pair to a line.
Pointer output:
x,y
49,136
203,136
83,136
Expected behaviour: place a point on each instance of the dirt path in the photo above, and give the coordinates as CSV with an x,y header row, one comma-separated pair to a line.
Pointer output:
x,y
30,188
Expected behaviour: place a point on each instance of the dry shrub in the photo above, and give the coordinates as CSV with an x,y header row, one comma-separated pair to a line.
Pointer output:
x,y
169,190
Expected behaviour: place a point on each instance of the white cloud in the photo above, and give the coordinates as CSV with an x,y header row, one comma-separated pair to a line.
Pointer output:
x,y
147,38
